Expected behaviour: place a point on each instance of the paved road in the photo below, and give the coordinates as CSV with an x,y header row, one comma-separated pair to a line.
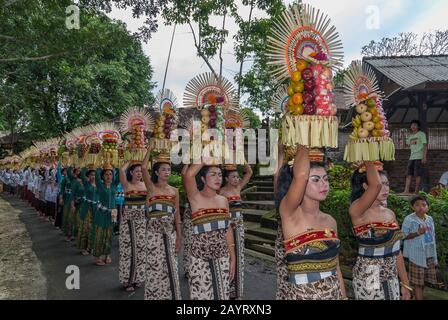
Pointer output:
x,y
52,255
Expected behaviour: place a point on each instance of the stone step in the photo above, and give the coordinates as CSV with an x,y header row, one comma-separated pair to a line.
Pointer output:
x,y
266,233
253,215
265,189
260,255
259,196
252,239
264,178
263,183
266,249
259,205
269,221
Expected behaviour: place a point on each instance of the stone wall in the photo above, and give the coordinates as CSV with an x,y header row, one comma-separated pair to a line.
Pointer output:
x,y
436,166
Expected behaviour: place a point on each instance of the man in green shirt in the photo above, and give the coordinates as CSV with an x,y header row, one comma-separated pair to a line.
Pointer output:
x,y
419,149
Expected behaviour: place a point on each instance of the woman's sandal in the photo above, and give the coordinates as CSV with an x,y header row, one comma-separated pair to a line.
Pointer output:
x,y
99,262
85,252
108,260
129,289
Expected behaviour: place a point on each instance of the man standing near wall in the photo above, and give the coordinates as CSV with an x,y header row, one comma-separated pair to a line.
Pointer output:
x,y
419,150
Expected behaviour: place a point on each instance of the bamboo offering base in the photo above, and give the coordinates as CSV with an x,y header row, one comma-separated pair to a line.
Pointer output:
x,y
137,155
161,145
310,131
370,149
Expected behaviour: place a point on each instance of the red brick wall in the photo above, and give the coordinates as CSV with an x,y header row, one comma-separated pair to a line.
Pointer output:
x,y
437,164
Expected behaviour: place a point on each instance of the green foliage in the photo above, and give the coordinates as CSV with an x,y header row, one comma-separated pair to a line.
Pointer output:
x,y
339,78
339,177
254,119
439,211
67,77
175,180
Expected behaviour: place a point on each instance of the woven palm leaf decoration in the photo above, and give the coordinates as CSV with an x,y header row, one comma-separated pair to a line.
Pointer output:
x,y
166,122
165,101
305,48
136,125
92,146
213,97
280,99
109,135
207,89
69,156
370,139
360,83
303,32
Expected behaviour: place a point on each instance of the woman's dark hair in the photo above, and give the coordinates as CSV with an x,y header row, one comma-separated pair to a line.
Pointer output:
x,y
89,172
156,167
226,174
64,170
76,172
419,198
357,180
285,178
202,173
104,172
131,169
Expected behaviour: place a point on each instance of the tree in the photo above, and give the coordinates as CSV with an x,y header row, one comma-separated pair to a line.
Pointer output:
x,y
339,78
253,32
208,39
409,44
254,119
88,75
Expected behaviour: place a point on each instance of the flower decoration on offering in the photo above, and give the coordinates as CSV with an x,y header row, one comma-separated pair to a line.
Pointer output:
x,y
167,121
370,139
110,137
212,96
136,124
304,48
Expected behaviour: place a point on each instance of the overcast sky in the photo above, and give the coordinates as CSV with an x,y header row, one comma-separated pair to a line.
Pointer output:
x,y
351,18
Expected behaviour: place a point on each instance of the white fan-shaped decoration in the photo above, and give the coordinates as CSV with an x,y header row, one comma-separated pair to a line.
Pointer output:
x,y
299,33
360,83
280,99
205,88
165,98
107,128
239,119
133,116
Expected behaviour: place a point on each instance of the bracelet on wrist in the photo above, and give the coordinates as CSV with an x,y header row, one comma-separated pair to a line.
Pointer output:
x,y
407,287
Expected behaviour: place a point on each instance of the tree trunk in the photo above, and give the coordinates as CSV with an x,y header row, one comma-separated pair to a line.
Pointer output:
x,y
222,42
240,73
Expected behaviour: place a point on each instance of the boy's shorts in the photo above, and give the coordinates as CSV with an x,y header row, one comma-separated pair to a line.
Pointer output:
x,y
419,275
